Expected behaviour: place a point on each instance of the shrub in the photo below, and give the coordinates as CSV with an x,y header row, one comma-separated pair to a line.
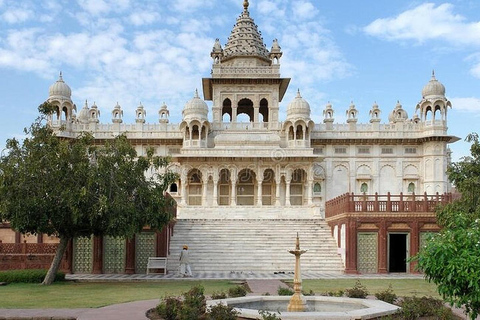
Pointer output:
x,y
194,304
219,295
285,291
169,307
27,276
413,308
387,295
268,316
222,312
237,291
308,293
338,293
358,291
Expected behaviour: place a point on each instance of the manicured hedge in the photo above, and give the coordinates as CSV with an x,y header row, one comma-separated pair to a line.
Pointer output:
x,y
27,276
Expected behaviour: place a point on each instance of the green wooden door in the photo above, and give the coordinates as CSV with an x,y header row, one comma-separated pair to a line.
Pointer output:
x,y
367,250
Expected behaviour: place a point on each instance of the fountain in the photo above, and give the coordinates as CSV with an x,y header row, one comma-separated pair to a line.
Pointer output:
x,y
312,307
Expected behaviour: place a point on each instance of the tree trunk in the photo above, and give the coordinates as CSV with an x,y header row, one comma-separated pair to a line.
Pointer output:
x,y
62,247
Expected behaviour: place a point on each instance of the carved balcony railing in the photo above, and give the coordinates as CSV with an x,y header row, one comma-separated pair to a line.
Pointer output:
x,y
353,203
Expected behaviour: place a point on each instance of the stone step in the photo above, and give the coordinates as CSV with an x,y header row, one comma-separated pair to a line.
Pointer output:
x,y
247,245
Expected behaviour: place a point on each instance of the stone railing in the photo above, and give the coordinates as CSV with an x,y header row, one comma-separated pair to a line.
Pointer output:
x,y
351,203
28,248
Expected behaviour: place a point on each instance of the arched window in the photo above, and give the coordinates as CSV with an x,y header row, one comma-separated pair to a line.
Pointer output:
x,y
173,188
264,110
268,187
195,133
245,106
411,187
291,135
297,186
195,188
299,132
246,188
364,188
317,188
227,110
224,187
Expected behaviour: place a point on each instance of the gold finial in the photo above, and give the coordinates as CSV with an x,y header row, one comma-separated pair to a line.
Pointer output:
x,y
245,5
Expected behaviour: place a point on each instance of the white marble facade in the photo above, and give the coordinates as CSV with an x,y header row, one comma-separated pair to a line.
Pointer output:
x,y
239,160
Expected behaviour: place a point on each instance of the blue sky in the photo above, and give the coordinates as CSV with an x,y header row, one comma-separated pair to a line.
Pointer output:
x,y
152,52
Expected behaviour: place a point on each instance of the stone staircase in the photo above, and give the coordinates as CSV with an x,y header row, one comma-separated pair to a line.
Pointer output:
x,y
247,245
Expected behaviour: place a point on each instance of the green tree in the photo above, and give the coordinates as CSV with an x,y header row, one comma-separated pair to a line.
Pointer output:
x,y
451,258
73,187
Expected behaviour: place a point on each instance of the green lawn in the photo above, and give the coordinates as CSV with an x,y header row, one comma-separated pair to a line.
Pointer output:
x,y
94,295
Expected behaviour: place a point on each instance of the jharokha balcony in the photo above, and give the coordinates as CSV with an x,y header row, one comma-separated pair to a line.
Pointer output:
x,y
378,233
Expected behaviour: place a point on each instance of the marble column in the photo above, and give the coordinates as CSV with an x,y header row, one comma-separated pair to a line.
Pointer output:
x,y
215,193
259,192
233,199
287,193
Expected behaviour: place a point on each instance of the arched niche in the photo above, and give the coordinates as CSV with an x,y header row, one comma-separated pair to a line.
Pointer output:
x,y
263,110
245,106
227,110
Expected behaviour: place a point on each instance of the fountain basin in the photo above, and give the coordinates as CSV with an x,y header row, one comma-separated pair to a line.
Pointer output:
x,y
319,307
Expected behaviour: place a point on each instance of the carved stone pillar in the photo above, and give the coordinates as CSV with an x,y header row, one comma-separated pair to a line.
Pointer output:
x,y
309,192
287,193
277,192
130,256
233,199
215,193
183,195
259,192
204,191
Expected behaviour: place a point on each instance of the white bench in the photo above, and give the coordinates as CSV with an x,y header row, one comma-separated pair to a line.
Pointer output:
x,y
157,263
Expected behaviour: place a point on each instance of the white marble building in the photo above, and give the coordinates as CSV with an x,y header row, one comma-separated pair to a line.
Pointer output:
x,y
240,160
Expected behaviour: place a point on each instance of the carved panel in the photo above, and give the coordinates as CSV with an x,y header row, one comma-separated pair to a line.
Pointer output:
x,y
144,248
82,255
114,255
367,252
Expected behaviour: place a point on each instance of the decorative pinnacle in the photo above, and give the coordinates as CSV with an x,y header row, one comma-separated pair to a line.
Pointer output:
x,y
245,5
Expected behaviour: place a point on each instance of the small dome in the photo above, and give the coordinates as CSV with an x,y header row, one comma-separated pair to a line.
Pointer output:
x,y
83,115
433,88
195,108
398,114
298,108
60,88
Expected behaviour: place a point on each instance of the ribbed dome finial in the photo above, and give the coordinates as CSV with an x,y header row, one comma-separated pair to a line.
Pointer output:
x,y
245,5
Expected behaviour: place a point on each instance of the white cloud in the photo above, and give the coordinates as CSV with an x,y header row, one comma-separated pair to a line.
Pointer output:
x,y
437,25
471,104
304,10
185,6
427,22
17,15
141,18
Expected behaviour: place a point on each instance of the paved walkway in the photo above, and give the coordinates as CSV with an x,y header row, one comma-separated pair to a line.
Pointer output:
x,y
259,283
